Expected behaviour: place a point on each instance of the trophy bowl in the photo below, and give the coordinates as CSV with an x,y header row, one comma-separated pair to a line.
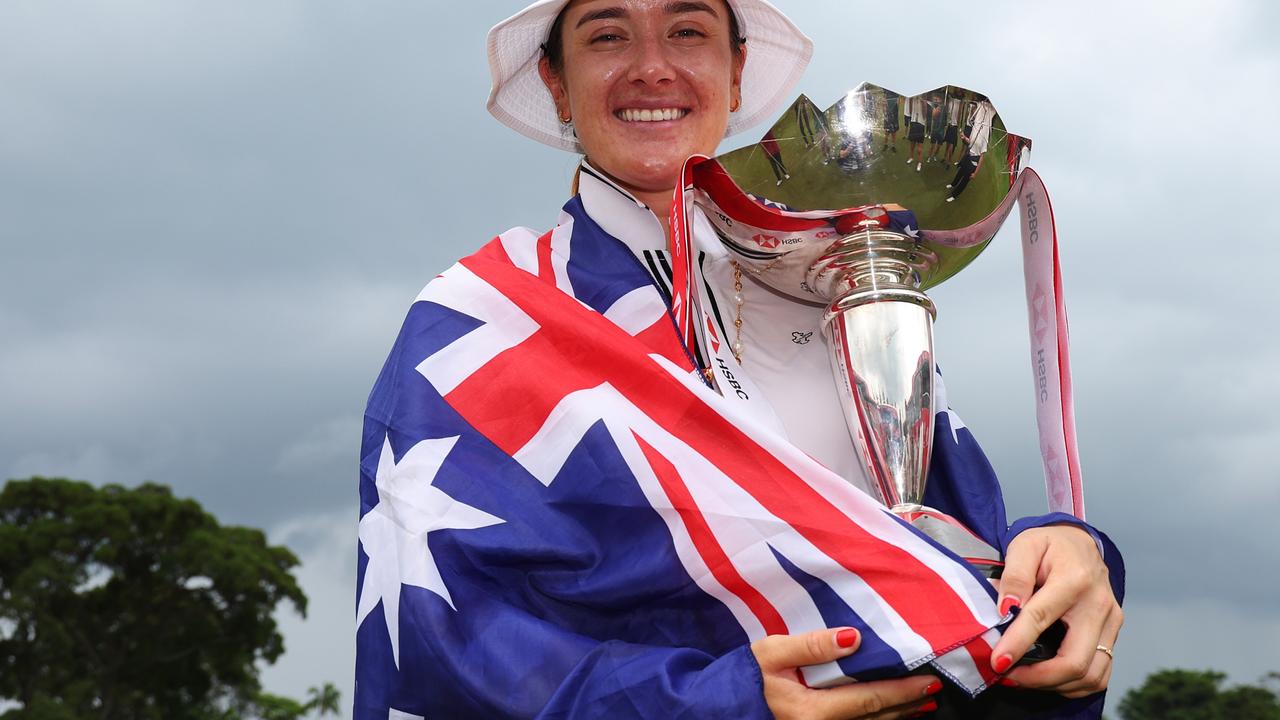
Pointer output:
x,y
864,206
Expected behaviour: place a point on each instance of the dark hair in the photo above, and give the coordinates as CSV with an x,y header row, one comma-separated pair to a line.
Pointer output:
x,y
553,48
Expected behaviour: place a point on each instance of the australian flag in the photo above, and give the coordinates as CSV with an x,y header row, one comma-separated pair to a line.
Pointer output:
x,y
558,519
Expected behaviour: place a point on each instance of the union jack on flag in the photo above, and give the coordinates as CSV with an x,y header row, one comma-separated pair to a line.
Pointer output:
x,y
558,519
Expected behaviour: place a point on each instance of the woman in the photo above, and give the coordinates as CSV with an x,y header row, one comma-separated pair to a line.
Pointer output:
x,y
565,574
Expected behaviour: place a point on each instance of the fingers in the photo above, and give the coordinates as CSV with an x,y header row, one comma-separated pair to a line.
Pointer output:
x,y
1099,674
779,656
1018,580
781,652
1047,605
898,698
1079,668
1063,561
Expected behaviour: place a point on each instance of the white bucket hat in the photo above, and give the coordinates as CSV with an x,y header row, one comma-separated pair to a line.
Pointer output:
x,y
777,54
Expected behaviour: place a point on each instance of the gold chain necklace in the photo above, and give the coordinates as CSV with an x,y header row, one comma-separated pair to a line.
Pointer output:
x,y
737,320
738,300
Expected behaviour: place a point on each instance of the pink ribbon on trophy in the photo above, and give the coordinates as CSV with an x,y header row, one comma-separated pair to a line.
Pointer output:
x,y
1046,317
1050,354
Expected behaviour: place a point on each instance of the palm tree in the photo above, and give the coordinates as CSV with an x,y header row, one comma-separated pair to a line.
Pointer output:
x,y
324,699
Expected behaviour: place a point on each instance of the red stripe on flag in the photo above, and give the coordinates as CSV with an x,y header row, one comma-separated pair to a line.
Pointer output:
x,y
545,271
494,250
660,337
980,650
704,540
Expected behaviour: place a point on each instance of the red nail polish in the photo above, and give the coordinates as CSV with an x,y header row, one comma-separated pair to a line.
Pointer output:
x,y
1002,663
928,707
934,688
1010,602
846,638
1009,682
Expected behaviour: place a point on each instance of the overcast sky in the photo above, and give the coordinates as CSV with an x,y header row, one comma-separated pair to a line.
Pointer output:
x,y
214,215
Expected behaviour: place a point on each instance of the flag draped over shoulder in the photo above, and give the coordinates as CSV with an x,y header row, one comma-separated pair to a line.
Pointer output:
x,y
558,517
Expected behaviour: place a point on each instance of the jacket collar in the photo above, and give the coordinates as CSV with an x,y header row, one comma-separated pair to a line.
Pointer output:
x,y
618,212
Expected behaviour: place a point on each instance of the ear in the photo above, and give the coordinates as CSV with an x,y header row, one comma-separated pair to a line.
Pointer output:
x,y
735,82
555,85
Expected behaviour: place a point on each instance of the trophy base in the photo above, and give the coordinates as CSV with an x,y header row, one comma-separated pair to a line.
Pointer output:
x,y
951,534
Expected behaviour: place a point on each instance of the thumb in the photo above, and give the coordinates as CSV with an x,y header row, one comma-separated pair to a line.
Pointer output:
x,y
781,652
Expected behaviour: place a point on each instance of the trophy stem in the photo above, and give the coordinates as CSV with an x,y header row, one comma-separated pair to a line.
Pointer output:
x,y
880,332
883,352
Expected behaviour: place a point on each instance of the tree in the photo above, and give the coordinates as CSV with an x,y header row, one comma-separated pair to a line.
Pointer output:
x,y
274,707
131,603
324,700
1197,695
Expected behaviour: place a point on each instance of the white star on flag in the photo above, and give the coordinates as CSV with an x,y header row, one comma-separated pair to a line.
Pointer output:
x,y
940,406
394,532
911,232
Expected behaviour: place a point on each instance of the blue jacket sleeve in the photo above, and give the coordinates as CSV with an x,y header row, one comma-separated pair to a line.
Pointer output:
x,y
1110,553
963,484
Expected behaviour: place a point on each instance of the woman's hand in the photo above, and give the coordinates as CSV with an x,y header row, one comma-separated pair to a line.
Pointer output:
x,y
1056,572
779,657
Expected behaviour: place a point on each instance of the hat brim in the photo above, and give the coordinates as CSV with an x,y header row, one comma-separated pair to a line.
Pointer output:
x,y
777,55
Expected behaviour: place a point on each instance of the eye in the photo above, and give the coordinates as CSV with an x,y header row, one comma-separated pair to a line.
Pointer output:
x,y
606,38
688,33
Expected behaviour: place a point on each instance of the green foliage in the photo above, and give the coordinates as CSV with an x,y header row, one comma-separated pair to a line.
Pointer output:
x,y
274,707
131,603
324,700
1197,695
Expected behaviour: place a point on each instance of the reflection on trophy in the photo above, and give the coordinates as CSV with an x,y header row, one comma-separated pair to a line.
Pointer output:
x,y
826,209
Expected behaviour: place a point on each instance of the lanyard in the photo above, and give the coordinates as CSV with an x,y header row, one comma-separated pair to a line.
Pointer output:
x,y
690,303
1050,354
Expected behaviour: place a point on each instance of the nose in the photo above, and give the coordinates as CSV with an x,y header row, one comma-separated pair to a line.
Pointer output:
x,y
652,62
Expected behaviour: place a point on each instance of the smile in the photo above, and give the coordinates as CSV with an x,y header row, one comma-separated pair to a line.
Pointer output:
x,y
647,115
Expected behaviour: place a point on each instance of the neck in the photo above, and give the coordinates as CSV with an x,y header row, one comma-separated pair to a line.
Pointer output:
x,y
659,202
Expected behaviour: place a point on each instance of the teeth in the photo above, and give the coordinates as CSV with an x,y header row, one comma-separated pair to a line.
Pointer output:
x,y
647,115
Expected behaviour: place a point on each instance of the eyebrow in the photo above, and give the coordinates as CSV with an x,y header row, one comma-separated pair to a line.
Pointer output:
x,y
672,8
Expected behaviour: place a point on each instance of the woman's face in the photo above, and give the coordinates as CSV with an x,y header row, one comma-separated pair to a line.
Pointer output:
x,y
647,84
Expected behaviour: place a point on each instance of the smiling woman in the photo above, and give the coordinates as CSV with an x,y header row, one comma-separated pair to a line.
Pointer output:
x,y
645,88
570,510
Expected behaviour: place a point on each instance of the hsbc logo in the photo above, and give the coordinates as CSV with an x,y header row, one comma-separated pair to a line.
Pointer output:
x,y
733,382
1042,376
769,242
1033,220
1040,314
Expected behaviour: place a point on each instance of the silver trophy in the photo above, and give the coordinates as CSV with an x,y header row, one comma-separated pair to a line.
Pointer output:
x,y
864,206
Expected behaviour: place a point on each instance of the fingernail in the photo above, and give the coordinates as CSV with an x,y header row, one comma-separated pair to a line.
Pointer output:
x,y
934,688
846,638
1009,682
1010,602
925,709
1002,663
